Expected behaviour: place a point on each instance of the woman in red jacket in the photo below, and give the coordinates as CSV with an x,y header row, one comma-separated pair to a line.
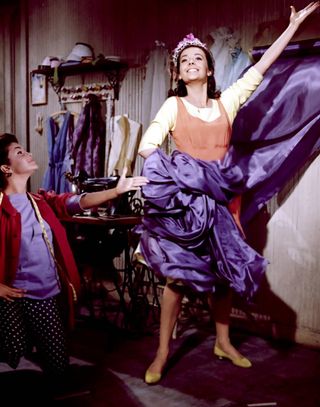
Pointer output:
x,y
37,267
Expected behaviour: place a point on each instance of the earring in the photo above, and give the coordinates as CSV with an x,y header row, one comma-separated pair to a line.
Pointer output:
x,y
8,174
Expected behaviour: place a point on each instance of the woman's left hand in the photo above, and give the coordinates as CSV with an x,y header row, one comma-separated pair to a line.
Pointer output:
x,y
128,184
297,17
10,293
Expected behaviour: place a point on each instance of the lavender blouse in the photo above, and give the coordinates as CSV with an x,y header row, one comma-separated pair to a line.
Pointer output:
x,y
36,271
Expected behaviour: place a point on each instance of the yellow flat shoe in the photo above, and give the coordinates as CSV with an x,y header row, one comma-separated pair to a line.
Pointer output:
x,y
241,362
152,378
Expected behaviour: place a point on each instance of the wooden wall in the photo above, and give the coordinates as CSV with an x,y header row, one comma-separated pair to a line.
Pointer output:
x,y
32,29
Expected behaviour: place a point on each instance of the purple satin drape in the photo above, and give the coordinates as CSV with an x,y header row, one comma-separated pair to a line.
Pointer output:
x,y
278,129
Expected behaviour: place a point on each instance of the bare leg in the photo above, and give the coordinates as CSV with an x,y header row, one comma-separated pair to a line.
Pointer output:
x,y
170,308
221,303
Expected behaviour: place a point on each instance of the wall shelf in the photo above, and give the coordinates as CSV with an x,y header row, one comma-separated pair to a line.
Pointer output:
x,y
114,70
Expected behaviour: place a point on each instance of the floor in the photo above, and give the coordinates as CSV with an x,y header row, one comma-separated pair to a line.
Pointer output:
x,y
108,365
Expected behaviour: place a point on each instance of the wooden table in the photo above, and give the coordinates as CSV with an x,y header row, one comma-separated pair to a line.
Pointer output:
x,y
110,221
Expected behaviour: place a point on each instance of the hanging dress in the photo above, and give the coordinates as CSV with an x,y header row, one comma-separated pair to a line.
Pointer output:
x,y
124,141
89,140
59,135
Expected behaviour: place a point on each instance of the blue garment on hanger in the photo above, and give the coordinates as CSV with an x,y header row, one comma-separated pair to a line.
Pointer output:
x,y
59,139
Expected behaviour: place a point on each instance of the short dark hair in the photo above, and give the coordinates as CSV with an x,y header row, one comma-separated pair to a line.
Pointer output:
x,y
6,139
212,92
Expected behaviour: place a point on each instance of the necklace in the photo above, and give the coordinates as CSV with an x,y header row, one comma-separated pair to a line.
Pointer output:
x,y
201,108
197,107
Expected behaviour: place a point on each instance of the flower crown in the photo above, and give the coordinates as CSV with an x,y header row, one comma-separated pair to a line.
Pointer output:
x,y
189,41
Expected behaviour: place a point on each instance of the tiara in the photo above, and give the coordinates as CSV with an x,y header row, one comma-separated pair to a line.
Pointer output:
x,y
189,41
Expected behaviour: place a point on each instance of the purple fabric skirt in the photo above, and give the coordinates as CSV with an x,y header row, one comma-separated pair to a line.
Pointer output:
x,y
188,233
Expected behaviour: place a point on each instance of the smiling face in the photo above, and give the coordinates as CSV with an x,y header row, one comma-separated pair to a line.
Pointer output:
x,y
20,162
193,65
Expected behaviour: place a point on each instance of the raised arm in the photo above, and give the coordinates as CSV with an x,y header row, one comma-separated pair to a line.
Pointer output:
x,y
273,52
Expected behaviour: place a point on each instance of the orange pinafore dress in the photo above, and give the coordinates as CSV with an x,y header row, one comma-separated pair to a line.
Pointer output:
x,y
205,141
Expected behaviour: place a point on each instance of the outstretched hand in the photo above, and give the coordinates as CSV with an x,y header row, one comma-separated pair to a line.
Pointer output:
x,y
129,184
297,17
273,52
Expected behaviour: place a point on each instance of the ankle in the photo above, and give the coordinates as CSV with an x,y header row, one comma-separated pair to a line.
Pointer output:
x,y
158,363
162,354
223,342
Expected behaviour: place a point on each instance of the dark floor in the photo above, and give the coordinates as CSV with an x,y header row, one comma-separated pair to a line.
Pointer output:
x,y
108,366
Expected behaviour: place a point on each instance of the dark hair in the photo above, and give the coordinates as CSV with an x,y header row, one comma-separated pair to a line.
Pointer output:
x,y
181,89
6,139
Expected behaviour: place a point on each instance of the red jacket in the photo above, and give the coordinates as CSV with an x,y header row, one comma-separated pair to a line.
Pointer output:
x,y
51,207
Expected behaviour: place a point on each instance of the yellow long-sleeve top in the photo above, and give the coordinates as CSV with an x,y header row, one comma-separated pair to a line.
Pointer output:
x,y
232,99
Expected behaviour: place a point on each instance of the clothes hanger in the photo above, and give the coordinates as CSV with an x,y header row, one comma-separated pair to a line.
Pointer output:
x,y
63,110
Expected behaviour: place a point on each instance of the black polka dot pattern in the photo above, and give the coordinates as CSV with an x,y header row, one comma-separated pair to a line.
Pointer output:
x,y
27,322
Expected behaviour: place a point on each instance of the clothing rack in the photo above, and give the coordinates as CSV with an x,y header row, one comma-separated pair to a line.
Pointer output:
x,y
80,93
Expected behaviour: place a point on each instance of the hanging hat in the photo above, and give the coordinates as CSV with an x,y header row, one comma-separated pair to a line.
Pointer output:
x,y
80,52
50,62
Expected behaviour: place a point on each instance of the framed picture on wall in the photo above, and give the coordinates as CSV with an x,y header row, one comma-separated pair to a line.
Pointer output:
x,y
39,89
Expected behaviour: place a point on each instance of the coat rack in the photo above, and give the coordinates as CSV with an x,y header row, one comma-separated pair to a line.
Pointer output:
x,y
114,70
80,93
